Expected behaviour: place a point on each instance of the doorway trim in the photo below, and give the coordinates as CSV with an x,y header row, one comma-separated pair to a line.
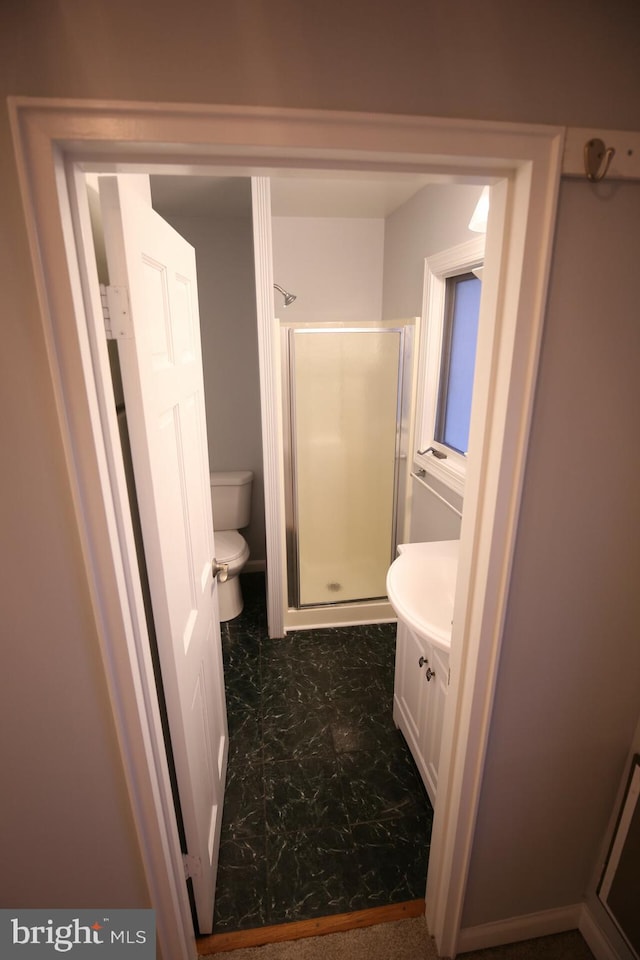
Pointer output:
x,y
54,139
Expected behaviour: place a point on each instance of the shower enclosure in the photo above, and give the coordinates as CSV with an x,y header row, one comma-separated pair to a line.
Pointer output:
x,y
346,422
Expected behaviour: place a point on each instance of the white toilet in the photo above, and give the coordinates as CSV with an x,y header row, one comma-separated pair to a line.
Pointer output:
x,y
231,504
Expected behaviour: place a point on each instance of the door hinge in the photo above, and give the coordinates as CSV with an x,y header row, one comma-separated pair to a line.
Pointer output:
x,y
192,866
449,677
116,313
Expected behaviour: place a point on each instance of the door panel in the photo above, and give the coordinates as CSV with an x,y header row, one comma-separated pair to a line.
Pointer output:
x,y
161,368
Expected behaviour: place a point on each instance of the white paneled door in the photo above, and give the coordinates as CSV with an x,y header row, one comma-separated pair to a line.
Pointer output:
x,y
159,348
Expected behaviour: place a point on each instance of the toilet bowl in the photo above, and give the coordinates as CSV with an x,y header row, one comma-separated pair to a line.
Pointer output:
x,y
231,505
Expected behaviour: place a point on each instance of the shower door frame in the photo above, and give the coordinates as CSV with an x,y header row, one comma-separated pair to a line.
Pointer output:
x,y
55,141
379,606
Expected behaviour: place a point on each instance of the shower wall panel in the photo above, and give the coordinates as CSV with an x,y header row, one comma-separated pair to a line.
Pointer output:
x,y
344,388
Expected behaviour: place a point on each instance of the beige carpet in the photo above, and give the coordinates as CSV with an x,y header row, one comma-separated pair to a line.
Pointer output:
x,y
406,940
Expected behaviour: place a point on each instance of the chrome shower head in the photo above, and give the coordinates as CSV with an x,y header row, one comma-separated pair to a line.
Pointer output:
x,y
288,297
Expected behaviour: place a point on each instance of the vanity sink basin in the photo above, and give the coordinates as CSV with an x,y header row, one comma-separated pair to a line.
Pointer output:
x,y
421,584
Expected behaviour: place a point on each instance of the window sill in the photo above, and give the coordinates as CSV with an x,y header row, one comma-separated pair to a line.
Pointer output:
x,y
451,474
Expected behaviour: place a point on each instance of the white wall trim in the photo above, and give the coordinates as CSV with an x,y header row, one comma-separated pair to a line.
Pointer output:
x,y
526,927
270,408
56,208
598,942
522,209
529,926
522,160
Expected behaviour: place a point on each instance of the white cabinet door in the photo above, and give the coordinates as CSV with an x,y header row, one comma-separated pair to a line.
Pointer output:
x,y
436,681
410,692
164,396
420,689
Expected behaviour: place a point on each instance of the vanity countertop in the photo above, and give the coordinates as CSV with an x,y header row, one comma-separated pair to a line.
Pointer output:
x,y
421,585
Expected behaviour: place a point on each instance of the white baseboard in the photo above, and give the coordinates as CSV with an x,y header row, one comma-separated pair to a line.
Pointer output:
x,y
598,942
526,927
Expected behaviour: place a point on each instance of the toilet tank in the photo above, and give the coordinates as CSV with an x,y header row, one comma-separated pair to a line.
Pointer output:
x,y
231,499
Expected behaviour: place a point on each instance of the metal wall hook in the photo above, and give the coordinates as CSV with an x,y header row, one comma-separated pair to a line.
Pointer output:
x,y
597,158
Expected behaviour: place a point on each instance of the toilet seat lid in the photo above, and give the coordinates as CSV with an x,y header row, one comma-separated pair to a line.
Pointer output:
x,y
229,545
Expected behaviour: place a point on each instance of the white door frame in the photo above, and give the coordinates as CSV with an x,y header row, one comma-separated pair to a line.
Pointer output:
x,y
53,139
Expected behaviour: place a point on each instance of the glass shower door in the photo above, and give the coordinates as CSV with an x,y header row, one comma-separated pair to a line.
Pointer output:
x,y
344,391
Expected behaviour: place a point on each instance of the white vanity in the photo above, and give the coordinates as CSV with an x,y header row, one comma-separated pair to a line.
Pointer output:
x,y
421,585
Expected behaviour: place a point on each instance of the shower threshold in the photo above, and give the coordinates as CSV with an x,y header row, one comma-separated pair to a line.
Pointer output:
x,y
339,614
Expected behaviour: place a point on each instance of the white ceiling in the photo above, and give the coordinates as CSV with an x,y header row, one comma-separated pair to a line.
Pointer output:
x,y
291,196
337,197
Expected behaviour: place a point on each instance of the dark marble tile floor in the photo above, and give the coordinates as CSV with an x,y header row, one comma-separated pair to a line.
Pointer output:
x,y
324,810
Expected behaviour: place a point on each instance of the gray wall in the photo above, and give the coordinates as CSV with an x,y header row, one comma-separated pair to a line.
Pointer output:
x,y
433,220
567,698
436,511
332,264
65,792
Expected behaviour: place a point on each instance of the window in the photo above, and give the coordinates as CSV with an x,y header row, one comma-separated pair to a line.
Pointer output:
x,y
449,334
459,336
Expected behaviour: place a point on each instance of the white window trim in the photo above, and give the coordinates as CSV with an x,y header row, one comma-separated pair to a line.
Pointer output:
x,y
437,269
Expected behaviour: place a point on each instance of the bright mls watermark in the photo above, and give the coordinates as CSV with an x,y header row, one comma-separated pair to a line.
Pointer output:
x,y
79,934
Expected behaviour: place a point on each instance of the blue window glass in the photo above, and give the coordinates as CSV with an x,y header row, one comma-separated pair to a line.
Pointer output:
x,y
462,307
